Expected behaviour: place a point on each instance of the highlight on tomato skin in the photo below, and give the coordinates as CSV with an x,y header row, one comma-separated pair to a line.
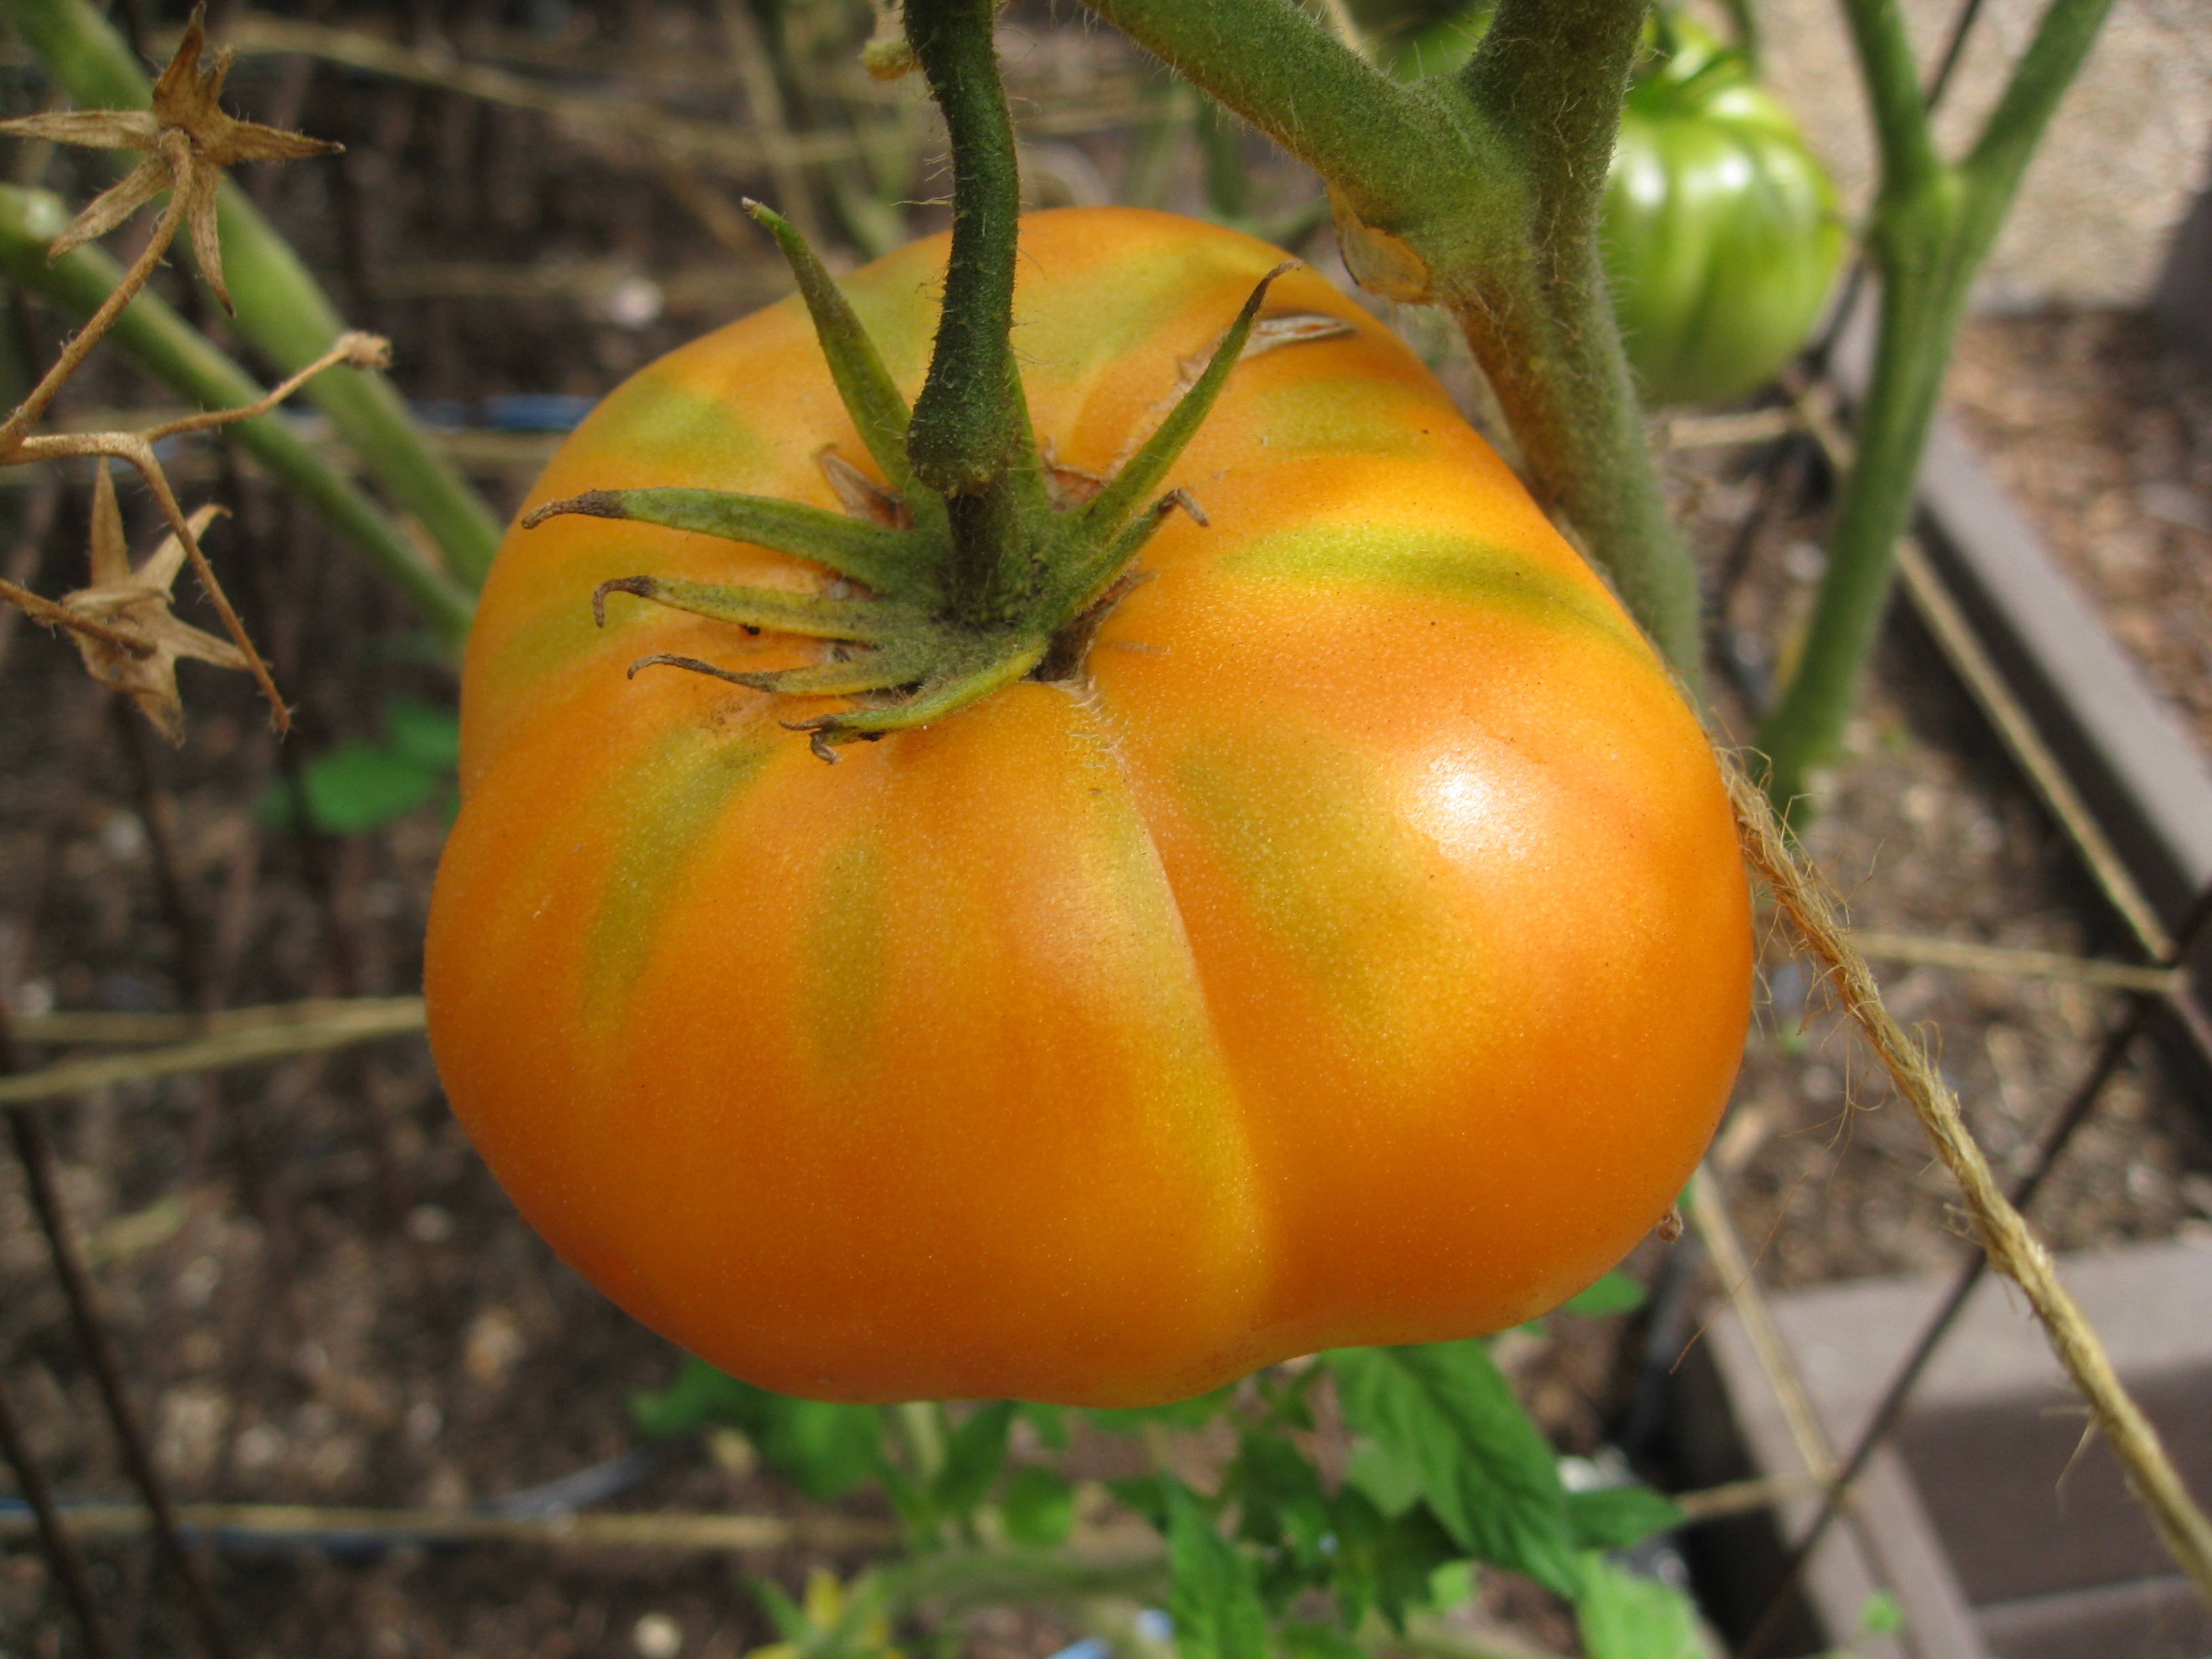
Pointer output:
x,y
1352,948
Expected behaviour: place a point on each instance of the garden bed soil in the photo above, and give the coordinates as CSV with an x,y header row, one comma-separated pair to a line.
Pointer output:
x,y
2100,430
322,1297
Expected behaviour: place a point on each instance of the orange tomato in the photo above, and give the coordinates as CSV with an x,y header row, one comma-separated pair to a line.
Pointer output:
x,y
1356,950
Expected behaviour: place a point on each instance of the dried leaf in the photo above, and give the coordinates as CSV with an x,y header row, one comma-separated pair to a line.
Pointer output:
x,y
113,205
135,603
185,106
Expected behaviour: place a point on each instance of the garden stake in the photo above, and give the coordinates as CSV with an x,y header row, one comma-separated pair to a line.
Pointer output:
x,y
60,1547
34,1150
1812,906
2143,1007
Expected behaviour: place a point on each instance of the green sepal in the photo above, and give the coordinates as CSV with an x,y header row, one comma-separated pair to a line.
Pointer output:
x,y
991,665
879,412
884,559
868,622
1111,507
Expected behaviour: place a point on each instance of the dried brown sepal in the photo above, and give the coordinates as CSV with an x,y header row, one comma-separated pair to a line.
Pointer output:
x,y
861,496
134,605
188,140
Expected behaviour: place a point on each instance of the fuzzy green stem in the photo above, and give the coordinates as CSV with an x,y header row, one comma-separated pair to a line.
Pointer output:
x,y
1491,183
281,308
179,354
967,427
1933,225
1919,313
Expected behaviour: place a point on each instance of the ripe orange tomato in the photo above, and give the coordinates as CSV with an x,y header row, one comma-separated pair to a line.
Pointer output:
x,y
1354,949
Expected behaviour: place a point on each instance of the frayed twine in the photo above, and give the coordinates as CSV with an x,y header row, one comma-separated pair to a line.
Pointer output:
x,y
1811,904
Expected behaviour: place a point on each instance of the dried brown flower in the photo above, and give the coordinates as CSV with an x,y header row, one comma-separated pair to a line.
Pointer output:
x,y
188,140
139,642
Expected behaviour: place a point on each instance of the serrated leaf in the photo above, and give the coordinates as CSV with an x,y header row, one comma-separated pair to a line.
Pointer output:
x,y
1385,1563
1281,1498
1038,1507
1614,1293
1485,1470
1215,1601
1613,1518
1392,1480
1624,1615
973,1453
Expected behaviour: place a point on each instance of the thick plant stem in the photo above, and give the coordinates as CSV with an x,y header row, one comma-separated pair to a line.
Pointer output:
x,y
176,353
281,308
1550,77
969,432
1919,314
965,427
1479,192
1933,224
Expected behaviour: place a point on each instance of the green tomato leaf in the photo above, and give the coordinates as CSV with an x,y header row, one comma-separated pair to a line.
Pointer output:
x,y
424,733
826,1449
973,1453
1176,1414
1613,1518
788,1617
1215,1601
1452,1585
356,789
1306,1640
1143,1493
1038,1507
917,1511
1049,1422
1485,1471
1393,1481
1614,1293
1386,1563
700,1395
1624,1615
1280,1499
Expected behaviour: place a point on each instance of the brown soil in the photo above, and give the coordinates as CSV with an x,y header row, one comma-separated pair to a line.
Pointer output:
x,y
320,1296
2102,431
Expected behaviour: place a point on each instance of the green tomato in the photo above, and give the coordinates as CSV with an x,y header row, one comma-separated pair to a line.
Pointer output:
x,y
1721,231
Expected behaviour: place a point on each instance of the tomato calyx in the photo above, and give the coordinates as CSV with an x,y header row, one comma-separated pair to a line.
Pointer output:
x,y
913,637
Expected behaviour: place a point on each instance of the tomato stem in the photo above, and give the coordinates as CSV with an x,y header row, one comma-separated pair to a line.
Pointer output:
x,y
1934,222
966,431
1479,192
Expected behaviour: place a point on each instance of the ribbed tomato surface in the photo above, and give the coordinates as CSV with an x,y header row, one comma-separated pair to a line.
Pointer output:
x,y
1357,951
